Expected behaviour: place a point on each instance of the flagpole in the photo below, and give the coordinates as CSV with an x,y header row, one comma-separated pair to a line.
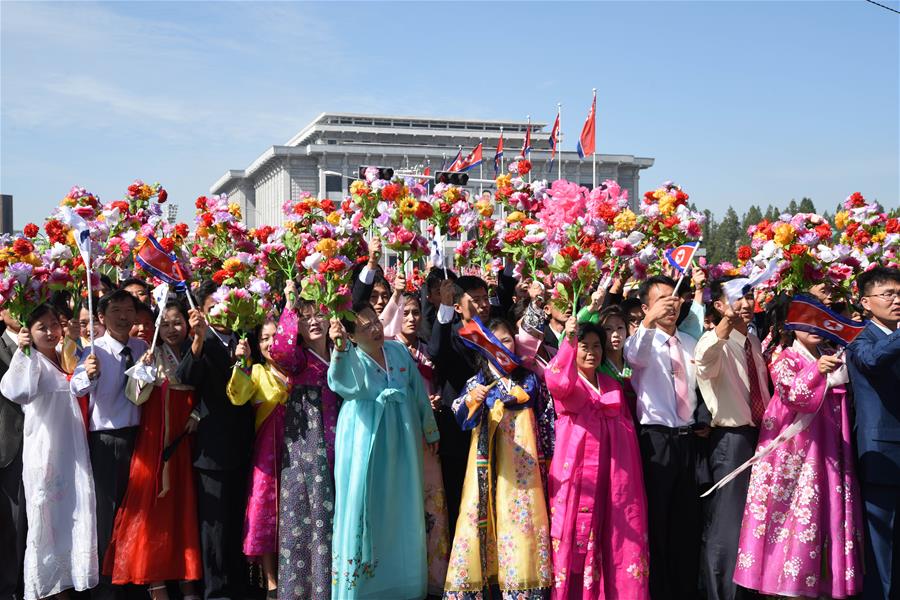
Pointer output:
x,y
87,269
481,168
501,156
689,265
558,137
525,150
594,153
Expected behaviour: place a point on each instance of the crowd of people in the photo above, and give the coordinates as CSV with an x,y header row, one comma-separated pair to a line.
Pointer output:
x,y
388,457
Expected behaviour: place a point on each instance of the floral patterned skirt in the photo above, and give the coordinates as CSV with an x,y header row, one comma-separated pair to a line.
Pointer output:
x,y
437,530
261,521
503,534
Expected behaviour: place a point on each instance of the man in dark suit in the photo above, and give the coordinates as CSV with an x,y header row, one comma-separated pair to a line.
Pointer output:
x,y
222,450
874,364
12,493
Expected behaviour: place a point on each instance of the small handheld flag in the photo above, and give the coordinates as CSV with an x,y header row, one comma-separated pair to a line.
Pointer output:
x,y
479,338
805,313
498,155
682,256
587,140
735,289
163,265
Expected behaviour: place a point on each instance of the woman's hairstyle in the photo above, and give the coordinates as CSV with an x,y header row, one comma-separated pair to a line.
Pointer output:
x,y
255,351
62,302
613,312
358,307
410,297
179,306
585,329
38,313
776,314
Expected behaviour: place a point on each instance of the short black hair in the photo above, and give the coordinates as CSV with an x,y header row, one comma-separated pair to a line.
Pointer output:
x,y
587,328
116,296
648,284
436,276
179,306
106,281
40,311
206,289
380,280
874,276
62,302
135,281
717,287
629,304
358,307
465,284
140,307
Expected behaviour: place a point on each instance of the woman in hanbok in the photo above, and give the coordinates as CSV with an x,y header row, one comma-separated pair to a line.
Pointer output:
x,y
502,536
61,544
379,519
154,538
598,506
306,508
267,388
401,318
802,533
614,323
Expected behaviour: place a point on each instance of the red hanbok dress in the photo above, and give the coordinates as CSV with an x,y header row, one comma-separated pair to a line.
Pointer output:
x,y
155,536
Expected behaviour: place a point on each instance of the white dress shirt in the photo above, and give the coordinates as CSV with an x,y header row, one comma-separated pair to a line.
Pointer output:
x,y
108,407
722,375
647,353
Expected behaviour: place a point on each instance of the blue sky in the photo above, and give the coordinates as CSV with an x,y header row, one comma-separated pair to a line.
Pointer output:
x,y
739,102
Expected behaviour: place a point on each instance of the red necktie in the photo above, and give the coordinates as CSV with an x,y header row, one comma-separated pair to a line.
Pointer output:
x,y
757,408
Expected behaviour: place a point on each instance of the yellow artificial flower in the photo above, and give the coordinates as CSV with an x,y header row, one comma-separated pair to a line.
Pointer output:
x,y
235,210
451,195
359,188
232,265
484,207
667,204
407,206
202,231
504,180
659,193
515,216
784,234
334,218
327,247
68,201
879,237
841,219
625,220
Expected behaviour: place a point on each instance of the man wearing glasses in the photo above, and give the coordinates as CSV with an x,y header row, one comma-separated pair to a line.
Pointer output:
x,y
874,364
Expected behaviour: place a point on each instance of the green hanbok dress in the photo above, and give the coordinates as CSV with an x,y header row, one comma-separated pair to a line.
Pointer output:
x,y
379,517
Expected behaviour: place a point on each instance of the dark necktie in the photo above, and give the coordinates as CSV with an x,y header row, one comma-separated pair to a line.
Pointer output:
x,y
757,408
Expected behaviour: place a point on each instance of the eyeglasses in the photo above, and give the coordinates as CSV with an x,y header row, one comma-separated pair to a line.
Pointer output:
x,y
888,296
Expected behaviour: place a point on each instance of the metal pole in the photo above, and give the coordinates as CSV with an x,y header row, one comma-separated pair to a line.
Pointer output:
x,y
558,138
594,155
481,168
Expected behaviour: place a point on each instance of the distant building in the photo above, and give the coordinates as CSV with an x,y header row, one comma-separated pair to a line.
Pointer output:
x,y
341,143
6,213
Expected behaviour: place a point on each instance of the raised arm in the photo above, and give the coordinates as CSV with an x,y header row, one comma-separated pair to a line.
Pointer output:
x,y
561,376
870,355
243,385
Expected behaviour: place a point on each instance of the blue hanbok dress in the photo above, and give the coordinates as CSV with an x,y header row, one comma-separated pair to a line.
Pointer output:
x,y
379,517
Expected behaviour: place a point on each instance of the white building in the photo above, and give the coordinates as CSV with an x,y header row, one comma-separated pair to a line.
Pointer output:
x,y
341,143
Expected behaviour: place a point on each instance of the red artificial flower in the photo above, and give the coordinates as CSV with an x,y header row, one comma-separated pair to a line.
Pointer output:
x,y
327,206
796,249
598,249
200,203
301,208
31,230
453,225
332,265
649,198
262,233
892,226
302,253
445,207
851,228
856,200
570,252
167,243
347,206
120,204
744,253
56,231
671,222
220,276
181,230
22,247
681,197
607,213
524,167
390,192
162,196
424,210
862,238
207,219
514,236
824,231
134,190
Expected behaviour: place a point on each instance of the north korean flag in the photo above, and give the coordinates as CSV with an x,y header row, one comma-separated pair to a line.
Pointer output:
x,y
479,338
682,256
163,265
808,314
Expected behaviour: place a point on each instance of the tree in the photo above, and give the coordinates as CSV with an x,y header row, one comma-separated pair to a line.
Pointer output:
x,y
772,213
727,235
806,205
793,208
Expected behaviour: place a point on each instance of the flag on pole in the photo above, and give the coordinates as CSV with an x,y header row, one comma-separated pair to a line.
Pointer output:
x,y
526,144
735,289
554,137
682,256
805,313
498,155
480,339
163,265
472,159
454,166
587,142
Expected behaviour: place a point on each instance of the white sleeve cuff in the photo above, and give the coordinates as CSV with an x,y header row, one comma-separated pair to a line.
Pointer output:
x,y
445,314
367,275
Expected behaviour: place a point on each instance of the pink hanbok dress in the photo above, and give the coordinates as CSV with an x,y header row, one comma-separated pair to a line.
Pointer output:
x,y
598,510
802,529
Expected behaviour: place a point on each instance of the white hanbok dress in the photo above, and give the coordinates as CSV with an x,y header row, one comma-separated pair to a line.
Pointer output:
x,y
61,550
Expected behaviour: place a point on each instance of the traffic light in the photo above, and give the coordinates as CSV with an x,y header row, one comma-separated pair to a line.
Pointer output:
x,y
385,173
451,177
